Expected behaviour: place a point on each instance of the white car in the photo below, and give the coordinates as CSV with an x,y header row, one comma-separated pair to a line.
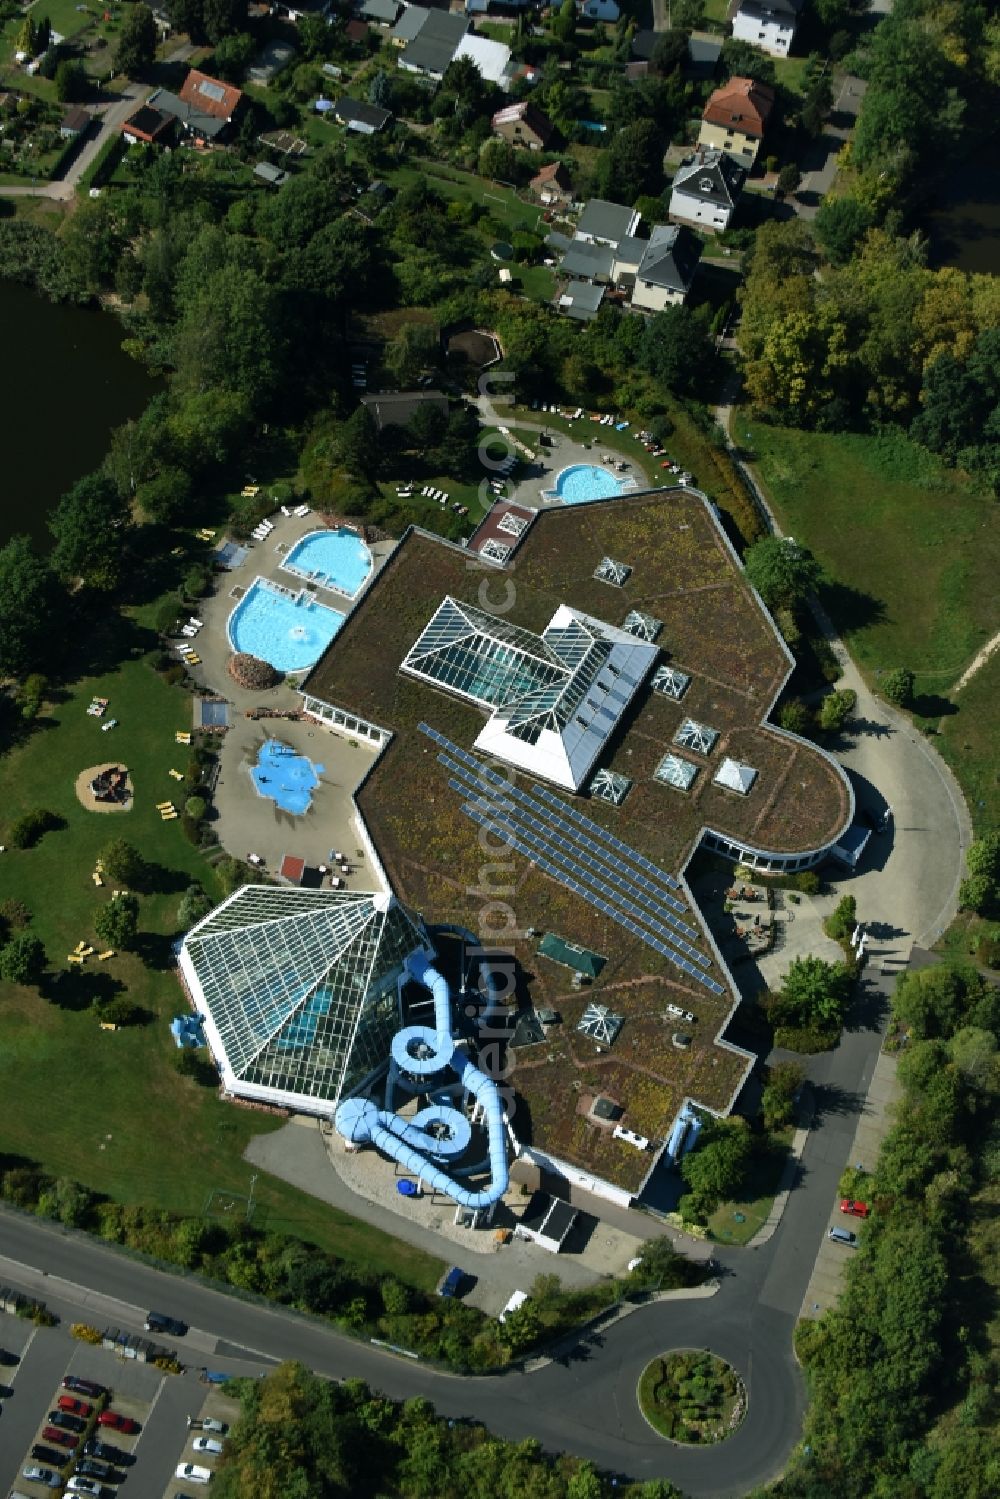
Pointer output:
x,y
211,1423
207,1444
78,1485
191,1473
45,1476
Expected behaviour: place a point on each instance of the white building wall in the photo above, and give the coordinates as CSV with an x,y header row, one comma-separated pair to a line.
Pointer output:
x,y
695,210
578,1178
770,34
655,298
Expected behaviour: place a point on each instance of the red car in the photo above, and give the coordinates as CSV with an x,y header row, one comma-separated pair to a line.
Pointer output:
x,y
854,1209
117,1422
60,1438
75,1407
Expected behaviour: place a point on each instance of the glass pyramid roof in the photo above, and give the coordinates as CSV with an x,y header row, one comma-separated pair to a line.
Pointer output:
x,y
696,736
610,786
674,770
670,682
645,626
300,986
610,571
482,657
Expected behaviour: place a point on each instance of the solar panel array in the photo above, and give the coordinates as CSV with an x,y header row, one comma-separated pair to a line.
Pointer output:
x,y
539,832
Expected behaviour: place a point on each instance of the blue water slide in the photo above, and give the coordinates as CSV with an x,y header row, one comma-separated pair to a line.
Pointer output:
x,y
439,1131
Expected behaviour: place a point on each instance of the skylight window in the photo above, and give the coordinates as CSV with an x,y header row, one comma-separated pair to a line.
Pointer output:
x,y
513,525
600,1024
734,776
643,626
609,786
670,682
610,571
696,736
495,551
675,771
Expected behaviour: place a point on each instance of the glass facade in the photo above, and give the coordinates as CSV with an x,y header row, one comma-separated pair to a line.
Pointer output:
x,y
301,985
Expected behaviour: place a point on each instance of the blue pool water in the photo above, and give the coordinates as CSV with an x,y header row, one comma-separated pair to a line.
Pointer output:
x,y
584,481
333,559
286,777
292,634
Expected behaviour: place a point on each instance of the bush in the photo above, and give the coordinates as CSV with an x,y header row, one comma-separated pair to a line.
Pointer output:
x,y
118,1010
196,808
22,959
251,673
898,685
194,905
124,864
29,828
836,709
842,920
796,717
84,1333
14,914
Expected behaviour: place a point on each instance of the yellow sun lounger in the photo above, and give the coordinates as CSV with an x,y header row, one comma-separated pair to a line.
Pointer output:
x,y
96,878
102,957
191,660
88,952
80,946
182,736
73,957
163,806
169,816
177,775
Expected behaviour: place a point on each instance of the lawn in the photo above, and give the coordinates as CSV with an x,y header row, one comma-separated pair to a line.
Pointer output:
x,y
736,1222
109,1089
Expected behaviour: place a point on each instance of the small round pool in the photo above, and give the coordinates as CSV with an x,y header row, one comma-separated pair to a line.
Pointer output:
x,y
291,633
585,481
335,559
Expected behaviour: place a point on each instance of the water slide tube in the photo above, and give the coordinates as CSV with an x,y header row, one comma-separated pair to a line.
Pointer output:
x,y
438,1132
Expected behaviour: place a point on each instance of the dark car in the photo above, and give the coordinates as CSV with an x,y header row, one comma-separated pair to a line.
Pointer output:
x,y
91,1468
84,1386
96,1448
452,1283
61,1438
158,1322
67,1422
49,1455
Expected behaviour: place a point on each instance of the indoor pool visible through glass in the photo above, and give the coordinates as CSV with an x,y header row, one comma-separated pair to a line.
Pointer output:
x,y
286,777
291,633
331,559
585,481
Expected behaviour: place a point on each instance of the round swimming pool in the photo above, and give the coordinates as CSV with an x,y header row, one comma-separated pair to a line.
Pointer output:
x,y
291,633
331,559
585,481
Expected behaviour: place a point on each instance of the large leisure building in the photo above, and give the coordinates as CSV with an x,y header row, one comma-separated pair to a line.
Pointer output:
x,y
557,727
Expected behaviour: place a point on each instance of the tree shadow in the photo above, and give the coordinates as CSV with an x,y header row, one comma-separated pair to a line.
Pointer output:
x,y
159,880
79,988
155,951
850,608
835,1102
933,705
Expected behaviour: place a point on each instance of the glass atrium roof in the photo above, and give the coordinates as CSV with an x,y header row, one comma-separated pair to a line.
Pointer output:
x,y
300,986
674,770
482,657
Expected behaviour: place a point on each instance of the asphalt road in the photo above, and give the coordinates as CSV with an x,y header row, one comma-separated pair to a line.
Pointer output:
x,y
583,1402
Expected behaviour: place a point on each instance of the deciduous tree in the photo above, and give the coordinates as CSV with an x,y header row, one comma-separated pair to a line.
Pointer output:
x,y
136,40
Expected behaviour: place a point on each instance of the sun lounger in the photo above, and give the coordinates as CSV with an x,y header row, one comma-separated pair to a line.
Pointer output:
x,y
199,624
176,775
87,952
193,660
301,510
111,723
161,805
182,736
73,957
80,945
189,631
96,878
168,816
102,957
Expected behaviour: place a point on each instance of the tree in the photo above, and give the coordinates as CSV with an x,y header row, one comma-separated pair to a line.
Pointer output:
x,y
814,994
783,573
843,919
676,349
415,347
835,709
897,686
497,159
234,54
223,18
427,426
633,163
974,1052
165,497
136,40
27,595
788,179
359,445
380,90
22,959
564,24
72,81
796,717
194,905
118,1010
840,224
316,36
779,1093
124,864
983,857
118,922
90,525
977,893
715,1168
931,1002
740,59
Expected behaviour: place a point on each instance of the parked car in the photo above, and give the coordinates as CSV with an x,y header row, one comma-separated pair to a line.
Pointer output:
x,y
84,1386
75,1407
91,1468
452,1283
158,1322
61,1438
210,1423
78,1485
117,1422
842,1236
50,1455
191,1473
207,1444
855,1209
67,1422
45,1476
96,1448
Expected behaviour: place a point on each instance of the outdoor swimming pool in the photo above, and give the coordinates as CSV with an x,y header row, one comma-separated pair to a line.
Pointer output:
x,y
585,481
332,559
286,777
292,633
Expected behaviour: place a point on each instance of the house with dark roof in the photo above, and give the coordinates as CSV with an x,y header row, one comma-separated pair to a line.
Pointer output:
x,y
381,12
202,127
357,115
704,51
271,60
706,189
434,44
667,268
588,262
356,33
735,118
149,126
397,408
523,124
552,184
581,300
211,96
766,24
75,122
604,223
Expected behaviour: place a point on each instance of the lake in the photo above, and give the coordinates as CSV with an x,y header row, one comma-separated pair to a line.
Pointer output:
x,y
964,218
64,384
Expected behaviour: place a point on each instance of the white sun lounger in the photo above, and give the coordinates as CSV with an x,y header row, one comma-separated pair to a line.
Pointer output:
x,y
189,631
302,510
198,623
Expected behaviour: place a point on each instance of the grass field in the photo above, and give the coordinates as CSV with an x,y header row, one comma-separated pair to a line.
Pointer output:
x,y
736,1222
109,1109
912,554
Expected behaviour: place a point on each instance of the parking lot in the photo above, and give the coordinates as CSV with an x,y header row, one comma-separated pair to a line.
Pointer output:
x,y
125,1428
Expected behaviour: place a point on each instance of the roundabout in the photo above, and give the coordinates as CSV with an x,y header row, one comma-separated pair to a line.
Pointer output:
x,y
692,1396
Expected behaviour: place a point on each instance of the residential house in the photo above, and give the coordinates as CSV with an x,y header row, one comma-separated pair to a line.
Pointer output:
x,y
667,268
435,42
598,10
149,126
587,262
269,62
211,96
75,122
735,117
380,12
409,24
581,300
603,223
490,57
205,129
523,125
706,189
504,7
356,32
704,51
365,119
552,185
643,45
767,24
397,408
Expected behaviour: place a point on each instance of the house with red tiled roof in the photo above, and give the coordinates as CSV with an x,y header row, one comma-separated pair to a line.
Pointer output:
x,y
210,96
735,118
552,184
